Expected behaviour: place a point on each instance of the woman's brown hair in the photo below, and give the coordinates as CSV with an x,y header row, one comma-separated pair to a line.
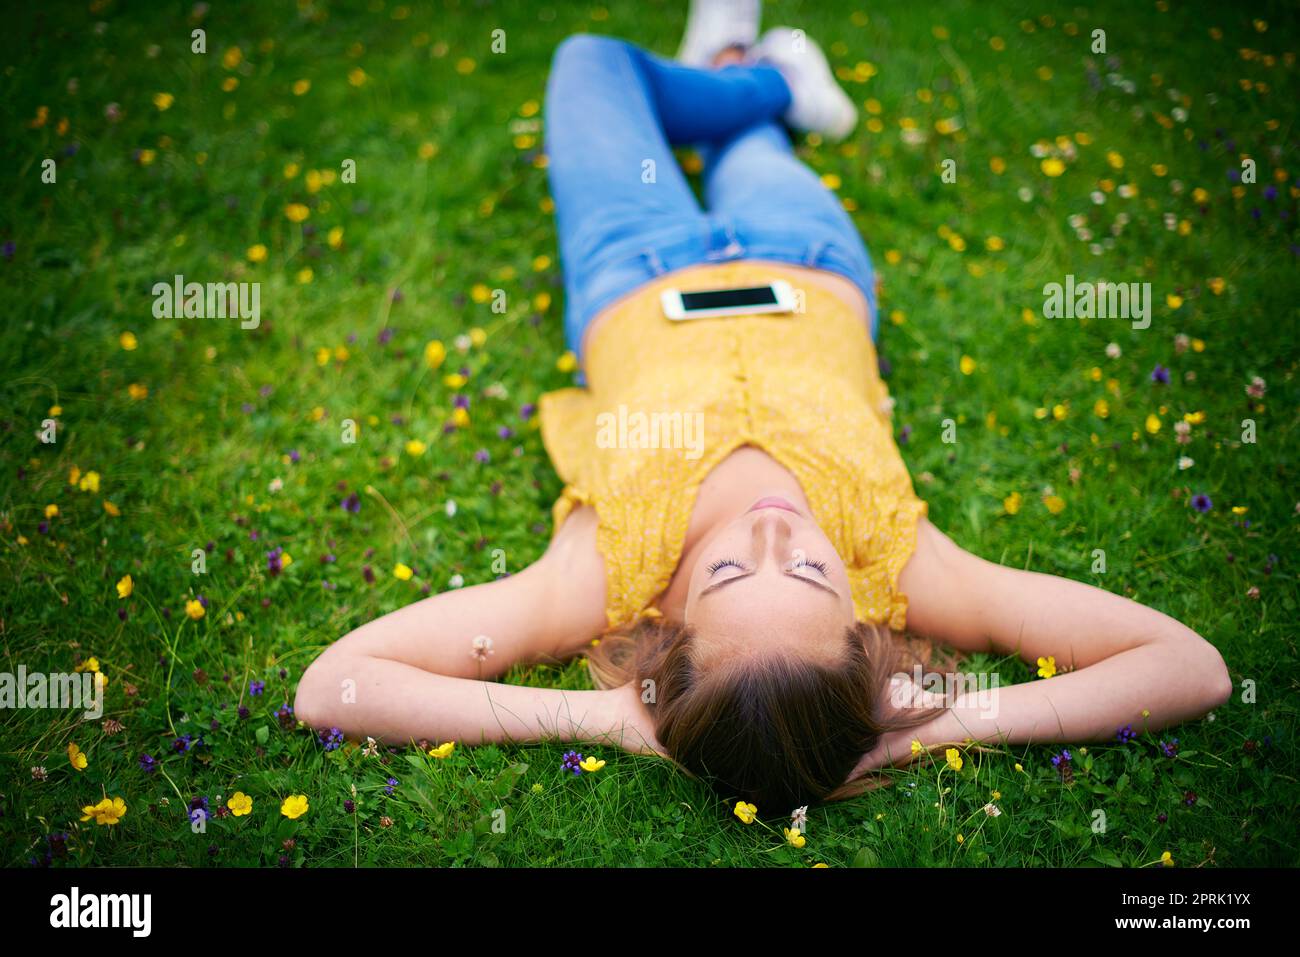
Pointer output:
x,y
779,731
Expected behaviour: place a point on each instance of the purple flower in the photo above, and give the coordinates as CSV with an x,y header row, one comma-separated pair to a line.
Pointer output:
x,y
1160,374
1189,798
7,250
349,806
1062,759
385,335
1170,747
505,432
482,456
255,688
284,714
294,457
572,762
244,712
1126,734
183,743
275,561
460,401
148,763
332,739
1201,502
352,503
904,434
526,411
390,786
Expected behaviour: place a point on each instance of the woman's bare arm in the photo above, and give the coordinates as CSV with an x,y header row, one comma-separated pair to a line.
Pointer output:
x,y
1121,658
413,674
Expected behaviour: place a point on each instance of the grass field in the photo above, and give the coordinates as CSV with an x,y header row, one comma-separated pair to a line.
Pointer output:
x,y
177,435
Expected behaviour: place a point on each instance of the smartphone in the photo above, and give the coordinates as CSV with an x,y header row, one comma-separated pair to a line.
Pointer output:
x,y
745,301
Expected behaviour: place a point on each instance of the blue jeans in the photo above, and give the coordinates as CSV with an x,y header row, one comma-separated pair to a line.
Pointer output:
x,y
624,210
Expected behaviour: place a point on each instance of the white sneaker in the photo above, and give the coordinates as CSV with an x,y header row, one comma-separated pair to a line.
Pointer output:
x,y
714,25
816,101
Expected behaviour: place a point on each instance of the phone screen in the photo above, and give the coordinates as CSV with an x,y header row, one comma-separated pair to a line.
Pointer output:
x,y
727,298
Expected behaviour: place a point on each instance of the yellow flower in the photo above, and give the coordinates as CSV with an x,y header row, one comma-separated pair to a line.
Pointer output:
x,y
444,751
1173,301
589,763
51,510
232,57
77,757
294,806
967,365
541,262
323,356
1059,411
953,757
163,101
745,812
291,170
296,212
1055,504
998,165
821,865
427,150
1101,408
1020,767
304,276
335,237
917,747
128,341
1114,159
961,839
147,157
1011,504
256,253
793,837
403,572
107,811
1194,418
994,244
300,87
1217,285
1046,668
454,381
240,804
567,362
90,664
137,391
1153,423
89,482
477,336
111,508
415,448
542,301
357,76
1167,859
125,587
194,608
459,417
1052,166
435,353
480,293
465,66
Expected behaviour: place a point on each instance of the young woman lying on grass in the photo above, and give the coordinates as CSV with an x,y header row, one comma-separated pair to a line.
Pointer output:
x,y
746,593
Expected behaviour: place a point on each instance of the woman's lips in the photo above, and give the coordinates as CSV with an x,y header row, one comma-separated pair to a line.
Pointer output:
x,y
774,501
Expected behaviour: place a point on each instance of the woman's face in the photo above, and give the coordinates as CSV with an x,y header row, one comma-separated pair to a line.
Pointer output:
x,y
768,581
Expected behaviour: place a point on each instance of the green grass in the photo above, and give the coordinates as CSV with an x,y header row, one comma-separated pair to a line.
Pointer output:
x,y
192,463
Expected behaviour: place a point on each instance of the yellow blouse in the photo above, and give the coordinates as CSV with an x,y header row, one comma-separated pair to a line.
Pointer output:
x,y
805,388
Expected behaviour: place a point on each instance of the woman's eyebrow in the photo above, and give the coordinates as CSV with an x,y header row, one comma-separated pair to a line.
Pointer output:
x,y
807,581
